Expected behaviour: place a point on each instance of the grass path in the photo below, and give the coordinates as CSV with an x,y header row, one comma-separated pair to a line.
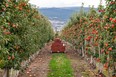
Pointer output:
x,y
60,66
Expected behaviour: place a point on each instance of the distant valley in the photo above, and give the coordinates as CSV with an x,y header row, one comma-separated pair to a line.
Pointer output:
x,y
59,16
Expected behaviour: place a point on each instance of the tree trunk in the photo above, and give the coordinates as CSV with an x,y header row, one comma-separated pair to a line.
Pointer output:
x,y
83,52
99,57
91,61
108,66
109,72
6,73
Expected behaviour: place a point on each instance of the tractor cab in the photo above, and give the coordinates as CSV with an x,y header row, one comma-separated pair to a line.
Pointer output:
x,y
57,46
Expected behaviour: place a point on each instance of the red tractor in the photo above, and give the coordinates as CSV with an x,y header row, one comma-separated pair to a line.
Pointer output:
x,y
57,46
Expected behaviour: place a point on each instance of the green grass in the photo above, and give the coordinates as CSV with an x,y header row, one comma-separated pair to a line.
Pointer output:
x,y
60,66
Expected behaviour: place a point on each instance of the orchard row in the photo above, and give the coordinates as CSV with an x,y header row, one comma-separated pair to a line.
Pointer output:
x,y
94,34
23,30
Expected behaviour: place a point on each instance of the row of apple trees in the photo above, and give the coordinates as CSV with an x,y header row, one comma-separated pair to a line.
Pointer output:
x,y
94,33
23,30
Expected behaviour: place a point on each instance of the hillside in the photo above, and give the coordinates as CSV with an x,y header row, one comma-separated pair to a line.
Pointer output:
x,y
61,13
59,16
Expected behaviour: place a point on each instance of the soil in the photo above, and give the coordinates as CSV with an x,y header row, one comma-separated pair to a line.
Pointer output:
x,y
39,67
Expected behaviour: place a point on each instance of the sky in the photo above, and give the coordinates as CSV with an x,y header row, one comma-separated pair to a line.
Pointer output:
x,y
65,3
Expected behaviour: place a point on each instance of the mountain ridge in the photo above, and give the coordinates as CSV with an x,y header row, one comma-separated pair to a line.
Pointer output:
x,y
60,16
63,13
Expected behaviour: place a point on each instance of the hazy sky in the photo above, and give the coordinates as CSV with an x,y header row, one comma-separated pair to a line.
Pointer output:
x,y
65,3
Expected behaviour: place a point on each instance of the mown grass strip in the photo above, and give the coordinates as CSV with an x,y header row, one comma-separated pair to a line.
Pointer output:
x,y
60,66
